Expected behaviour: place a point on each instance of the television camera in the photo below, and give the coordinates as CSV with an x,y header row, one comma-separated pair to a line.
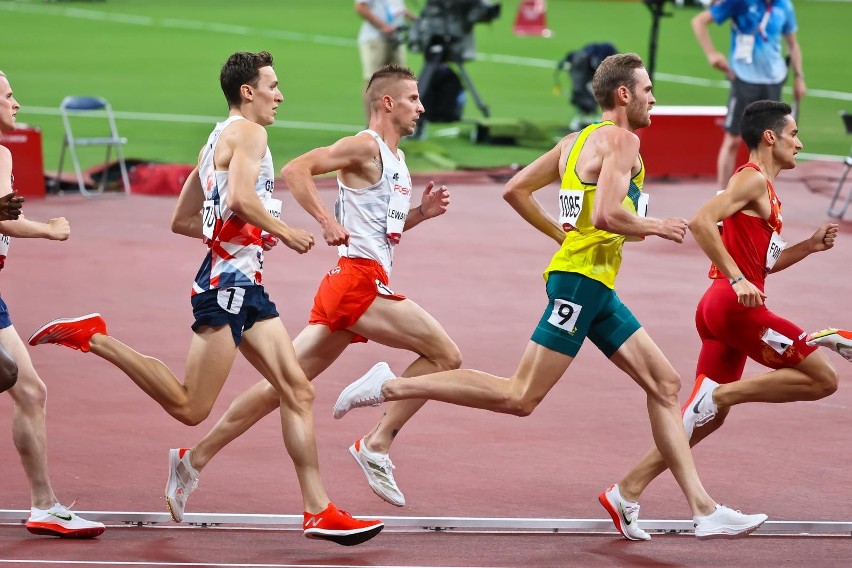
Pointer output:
x,y
443,33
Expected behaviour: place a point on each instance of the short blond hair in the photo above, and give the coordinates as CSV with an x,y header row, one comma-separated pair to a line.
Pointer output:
x,y
386,81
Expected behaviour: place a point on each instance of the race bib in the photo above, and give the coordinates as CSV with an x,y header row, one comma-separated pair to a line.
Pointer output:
x,y
778,342
231,299
776,247
744,47
564,315
208,218
641,211
642,205
5,241
383,289
570,207
274,207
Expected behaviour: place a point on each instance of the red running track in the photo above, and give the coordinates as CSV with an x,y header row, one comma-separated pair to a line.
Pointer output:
x,y
477,270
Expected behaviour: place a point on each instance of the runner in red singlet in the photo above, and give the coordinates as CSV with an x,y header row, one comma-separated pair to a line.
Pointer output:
x,y
732,319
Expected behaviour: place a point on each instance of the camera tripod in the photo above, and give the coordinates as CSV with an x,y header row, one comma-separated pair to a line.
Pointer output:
x,y
658,12
435,55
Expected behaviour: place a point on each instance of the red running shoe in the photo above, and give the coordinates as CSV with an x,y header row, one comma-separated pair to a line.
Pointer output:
x,y
70,332
340,527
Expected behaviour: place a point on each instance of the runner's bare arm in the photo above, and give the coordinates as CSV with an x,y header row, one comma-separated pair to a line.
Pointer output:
x,y
519,193
432,204
349,156
248,143
619,149
186,219
742,193
822,240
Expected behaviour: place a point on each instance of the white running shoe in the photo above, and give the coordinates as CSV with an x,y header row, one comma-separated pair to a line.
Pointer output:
x,y
366,391
379,471
183,480
62,522
699,408
838,340
724,522
625,514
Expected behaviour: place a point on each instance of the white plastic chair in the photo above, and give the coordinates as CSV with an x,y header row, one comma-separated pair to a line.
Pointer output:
x,y
838,213
73,108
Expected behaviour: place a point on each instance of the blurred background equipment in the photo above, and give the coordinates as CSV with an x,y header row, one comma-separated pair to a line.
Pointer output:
x,y
74,108
444,34
658,11
580,65
531,19
839,213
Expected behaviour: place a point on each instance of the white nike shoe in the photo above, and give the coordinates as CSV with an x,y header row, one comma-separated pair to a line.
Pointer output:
x,y
838,340
699,408
724,522
379,471
366,391
62,522
625,514
183,480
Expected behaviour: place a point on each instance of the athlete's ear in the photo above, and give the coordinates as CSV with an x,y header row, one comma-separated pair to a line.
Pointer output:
x,y
769,135
247,92
623,93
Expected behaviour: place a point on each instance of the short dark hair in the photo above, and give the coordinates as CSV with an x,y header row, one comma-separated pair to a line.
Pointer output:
x,y
613,72
242,68
760,116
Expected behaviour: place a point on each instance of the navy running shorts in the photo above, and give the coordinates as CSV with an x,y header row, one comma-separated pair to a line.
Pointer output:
x,y
237,306
5,320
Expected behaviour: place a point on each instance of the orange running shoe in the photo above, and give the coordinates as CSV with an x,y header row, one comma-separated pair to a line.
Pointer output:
x,y
70,332
838,340
340,527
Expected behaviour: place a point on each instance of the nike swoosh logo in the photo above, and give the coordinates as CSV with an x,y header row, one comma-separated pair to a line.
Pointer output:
x,y
63,517
623,516
695,408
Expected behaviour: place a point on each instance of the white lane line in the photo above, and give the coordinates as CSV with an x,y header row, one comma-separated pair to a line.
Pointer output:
x,y
220,565
198,119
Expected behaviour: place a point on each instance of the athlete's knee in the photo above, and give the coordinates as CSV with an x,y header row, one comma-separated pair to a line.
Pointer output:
x,y
825,382
299,397
30,393
193,417
190,415
449,358
665,389
8,371
520,402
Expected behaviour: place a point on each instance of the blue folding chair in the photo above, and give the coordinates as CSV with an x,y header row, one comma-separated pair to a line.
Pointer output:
x,y
839,212
91,107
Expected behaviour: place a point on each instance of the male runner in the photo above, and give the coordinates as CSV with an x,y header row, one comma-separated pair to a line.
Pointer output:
x,y
232,187
17,374
732,319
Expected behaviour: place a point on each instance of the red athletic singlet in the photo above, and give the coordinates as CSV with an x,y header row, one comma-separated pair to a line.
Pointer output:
x,y
747,238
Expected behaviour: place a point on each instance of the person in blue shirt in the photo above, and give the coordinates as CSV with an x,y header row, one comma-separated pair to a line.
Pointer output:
x,y
755,65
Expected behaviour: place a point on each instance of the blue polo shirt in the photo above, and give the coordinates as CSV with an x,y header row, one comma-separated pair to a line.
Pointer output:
x,y
767,65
